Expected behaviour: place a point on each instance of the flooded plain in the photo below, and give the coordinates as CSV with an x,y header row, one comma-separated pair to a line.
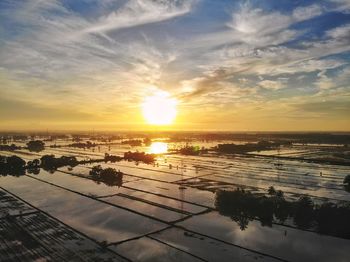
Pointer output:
x,y
171,210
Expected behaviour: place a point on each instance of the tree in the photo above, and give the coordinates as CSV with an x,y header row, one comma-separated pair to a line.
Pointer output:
x,y
108,176
279,194
12,165
189,150
15,163
303,212
243,206
271,191
112,158
139,157
36,146
50,163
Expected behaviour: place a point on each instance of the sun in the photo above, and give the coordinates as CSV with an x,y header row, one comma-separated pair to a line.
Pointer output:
x,y
159,109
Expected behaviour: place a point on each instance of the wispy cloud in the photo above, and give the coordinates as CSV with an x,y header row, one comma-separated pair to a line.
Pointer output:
x,y
140,12
272,85
341,5
119,51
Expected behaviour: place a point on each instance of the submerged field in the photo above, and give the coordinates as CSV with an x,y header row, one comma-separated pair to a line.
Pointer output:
x,y
171,210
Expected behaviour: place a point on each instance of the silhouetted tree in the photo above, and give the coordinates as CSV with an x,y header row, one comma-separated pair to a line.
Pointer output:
x,y
88,144
279,194
12,165
51,163
189,150
271,191
11,147
303,212
248,147
139,157
112,158
237,204
33,167
243,206
15,163
132,142
264,211
282,210
347,183
36,146
108,176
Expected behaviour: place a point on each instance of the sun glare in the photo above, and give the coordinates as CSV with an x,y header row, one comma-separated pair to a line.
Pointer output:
x,y
158,148
159,109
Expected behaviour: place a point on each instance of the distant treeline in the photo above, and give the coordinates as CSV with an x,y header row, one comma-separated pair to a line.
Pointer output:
x,y
139,157
96,137
87,144
190,150
11,147
249,147
33,146
295,137
8,137
15,165
137,142
303,138
132,142
243,206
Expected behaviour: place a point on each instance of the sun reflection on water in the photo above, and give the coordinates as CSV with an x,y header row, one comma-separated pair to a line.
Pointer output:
x,y
158,148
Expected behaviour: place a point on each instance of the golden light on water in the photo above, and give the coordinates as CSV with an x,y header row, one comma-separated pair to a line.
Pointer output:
x,y
159,109
158,148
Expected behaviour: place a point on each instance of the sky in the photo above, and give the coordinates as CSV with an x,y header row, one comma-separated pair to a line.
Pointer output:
x,y
231,65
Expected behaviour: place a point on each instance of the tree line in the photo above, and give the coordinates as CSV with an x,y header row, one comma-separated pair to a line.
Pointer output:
x,y
14,165
244,206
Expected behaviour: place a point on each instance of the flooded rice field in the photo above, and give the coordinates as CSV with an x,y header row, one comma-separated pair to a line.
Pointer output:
x,y
261,206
